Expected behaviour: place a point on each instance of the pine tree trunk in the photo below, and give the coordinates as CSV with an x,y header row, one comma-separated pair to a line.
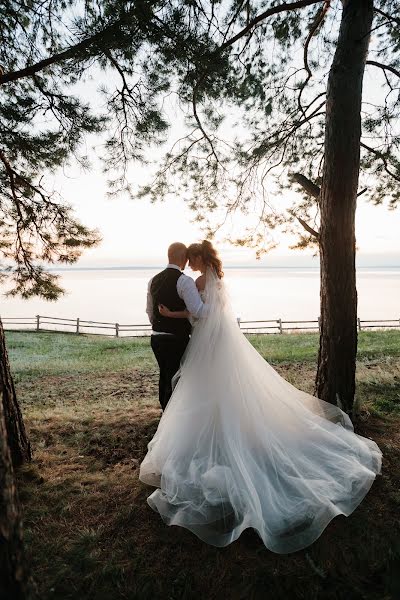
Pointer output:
x,y
335,380
18,442
13,575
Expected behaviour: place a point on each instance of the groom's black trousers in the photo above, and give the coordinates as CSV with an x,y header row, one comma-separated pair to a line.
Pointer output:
x,y
168,350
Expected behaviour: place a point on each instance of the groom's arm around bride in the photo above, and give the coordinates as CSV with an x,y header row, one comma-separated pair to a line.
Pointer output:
x,y
170,336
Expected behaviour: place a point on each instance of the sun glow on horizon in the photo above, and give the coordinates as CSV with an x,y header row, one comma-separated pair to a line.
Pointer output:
x,y
136,232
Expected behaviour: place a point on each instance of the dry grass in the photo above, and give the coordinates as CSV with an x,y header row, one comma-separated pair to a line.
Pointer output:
x,y
91,535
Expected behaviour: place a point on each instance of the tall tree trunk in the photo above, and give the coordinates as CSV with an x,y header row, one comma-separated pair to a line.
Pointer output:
x,y
18,442
13,575
335,380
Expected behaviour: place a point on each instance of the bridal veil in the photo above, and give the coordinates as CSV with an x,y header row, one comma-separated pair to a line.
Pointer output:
x,y
238,446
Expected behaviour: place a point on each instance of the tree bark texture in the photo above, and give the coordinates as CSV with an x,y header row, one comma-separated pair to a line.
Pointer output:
x,y
335,381
17,439
13,575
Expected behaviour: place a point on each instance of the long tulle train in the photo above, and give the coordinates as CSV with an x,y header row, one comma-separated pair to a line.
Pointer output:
x,y
238,446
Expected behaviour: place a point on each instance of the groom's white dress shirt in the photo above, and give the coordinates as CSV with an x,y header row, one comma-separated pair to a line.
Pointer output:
x,y
187,290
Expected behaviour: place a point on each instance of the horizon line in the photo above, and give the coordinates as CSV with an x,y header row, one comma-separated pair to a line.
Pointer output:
x,y
238,266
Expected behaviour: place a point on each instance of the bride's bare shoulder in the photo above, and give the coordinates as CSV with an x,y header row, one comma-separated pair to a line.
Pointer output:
x,y
201,283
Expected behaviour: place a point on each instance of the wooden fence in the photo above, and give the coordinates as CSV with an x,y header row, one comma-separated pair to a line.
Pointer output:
x,y
77,326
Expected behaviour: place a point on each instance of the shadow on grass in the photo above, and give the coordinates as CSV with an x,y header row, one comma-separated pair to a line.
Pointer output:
x,y
91,534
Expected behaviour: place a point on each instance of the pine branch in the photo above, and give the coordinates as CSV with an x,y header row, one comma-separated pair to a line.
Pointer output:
x,y
11,177
319,17
200,126
285,7
59,57
383,67
387,16
383,158
309,186
308,228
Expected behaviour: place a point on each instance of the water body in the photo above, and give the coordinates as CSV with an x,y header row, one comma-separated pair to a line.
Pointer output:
x,y
119,294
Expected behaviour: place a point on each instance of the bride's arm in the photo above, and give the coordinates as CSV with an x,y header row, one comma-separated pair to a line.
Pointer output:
x,y
174,314
201,283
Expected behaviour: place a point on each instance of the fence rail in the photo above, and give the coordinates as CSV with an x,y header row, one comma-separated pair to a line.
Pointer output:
x,y
78,326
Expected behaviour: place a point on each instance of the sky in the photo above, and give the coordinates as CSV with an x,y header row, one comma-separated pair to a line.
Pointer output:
x,y
137,233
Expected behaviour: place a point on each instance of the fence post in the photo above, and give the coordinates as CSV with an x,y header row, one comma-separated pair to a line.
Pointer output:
x,y
280,325
238,321
77,325
116,329
359,323
319,324
37,322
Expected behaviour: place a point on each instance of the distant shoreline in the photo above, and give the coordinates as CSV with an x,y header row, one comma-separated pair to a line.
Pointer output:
x,y
228,267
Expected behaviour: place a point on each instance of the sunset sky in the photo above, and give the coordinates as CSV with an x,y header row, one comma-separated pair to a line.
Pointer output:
x,y
137,233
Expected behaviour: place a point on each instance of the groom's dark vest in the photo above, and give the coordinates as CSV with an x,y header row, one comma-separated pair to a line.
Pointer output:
x,y
163,291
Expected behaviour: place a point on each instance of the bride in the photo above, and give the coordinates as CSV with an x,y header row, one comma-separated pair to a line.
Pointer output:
x,y
238,446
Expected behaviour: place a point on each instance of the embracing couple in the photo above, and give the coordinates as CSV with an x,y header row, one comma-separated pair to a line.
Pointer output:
x,y
173,302
237,445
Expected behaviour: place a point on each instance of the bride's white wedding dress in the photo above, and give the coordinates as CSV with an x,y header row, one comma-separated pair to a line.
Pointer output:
x,y
238,446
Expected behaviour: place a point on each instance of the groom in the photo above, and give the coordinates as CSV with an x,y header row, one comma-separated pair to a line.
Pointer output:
x,y
170,336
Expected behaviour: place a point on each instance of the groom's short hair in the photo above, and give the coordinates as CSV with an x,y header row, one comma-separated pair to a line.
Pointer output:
x,y
177,252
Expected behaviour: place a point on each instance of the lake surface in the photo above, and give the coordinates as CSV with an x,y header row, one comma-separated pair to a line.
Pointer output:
x,y
119,295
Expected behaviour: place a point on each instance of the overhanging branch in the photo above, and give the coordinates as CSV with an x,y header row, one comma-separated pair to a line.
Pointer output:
x,y
309,186
383,158
386,15
313,190
285,7
59,57
362,192
318,19
307,227
383,67
42,64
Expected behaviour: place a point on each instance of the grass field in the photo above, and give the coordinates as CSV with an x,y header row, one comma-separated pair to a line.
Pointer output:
x,y
90,405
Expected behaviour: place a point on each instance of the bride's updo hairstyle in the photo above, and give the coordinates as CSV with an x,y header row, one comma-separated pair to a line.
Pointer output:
x,y
209,255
